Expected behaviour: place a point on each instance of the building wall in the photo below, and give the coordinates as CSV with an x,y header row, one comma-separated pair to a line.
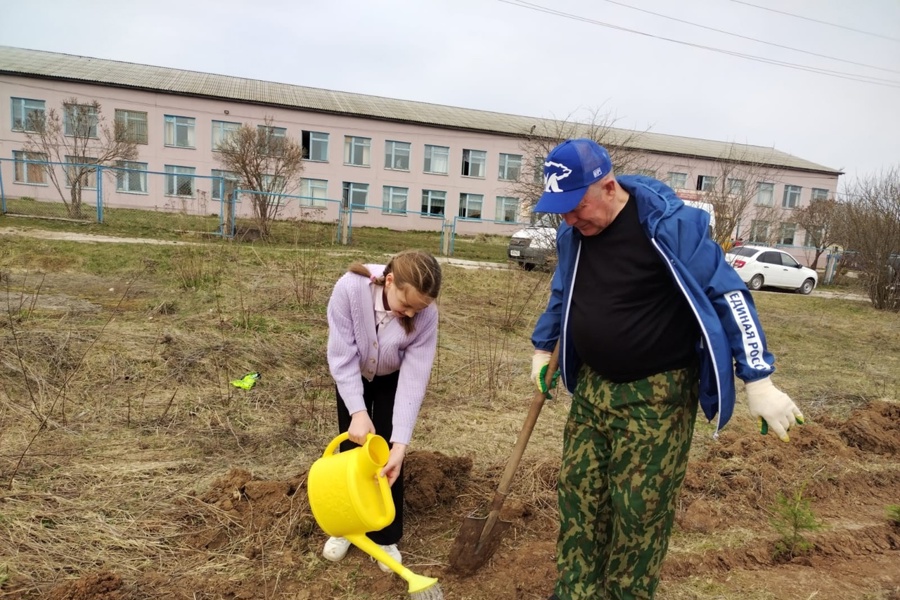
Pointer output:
x,y
157,105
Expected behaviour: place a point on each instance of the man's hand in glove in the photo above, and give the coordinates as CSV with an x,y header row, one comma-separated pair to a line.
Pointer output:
x,y
772,407
539,364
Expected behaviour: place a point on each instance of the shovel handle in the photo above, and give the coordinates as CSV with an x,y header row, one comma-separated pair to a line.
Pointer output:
x,y
512,464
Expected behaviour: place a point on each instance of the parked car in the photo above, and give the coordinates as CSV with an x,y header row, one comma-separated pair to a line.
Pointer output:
x,y
762,267
534,246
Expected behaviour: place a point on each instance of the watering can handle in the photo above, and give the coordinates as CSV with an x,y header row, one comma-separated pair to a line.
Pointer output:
x,y
337,441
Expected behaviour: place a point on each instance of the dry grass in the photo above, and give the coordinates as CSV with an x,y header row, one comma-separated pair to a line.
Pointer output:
x,y
116,410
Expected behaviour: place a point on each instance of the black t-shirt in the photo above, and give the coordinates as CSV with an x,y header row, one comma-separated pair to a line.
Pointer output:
x,y
628,318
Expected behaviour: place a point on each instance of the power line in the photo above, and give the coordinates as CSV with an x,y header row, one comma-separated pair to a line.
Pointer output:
x,y
817,21
838,74
752,39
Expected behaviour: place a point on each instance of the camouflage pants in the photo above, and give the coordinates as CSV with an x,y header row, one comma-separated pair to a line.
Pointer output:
x,y
625,451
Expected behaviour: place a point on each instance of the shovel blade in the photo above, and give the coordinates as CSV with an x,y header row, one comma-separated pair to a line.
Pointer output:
x,y
474,546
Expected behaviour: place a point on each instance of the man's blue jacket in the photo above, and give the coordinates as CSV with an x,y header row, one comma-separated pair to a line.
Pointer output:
x,y
732,340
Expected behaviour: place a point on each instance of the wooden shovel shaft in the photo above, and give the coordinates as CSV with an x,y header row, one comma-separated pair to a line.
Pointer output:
x,y
512,464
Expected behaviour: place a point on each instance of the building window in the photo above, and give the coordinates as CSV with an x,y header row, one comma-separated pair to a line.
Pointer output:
x,y
538,176
224,183
736,187
819,194
437,159
759,231
27,115
271,138
677,181
507,209
80,120
433,202
315,145
221,131
180,181
33,173
180,132
473,163
356,151
470,205
131,177
396,155
791,196
765,194
355,195
131,126
786,236
510,167
80,166
394,200
814,237
706,183
313,192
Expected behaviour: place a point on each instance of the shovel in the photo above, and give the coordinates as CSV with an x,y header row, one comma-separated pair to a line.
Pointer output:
x,y
479,537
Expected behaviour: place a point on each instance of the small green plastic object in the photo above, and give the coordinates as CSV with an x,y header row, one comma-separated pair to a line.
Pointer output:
x,y
247,381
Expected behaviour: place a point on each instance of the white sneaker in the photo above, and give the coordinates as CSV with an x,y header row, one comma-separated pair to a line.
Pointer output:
x,y
392,551
336,548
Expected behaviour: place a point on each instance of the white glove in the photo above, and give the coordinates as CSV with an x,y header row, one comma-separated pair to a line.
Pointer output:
x,y
772,407
539,363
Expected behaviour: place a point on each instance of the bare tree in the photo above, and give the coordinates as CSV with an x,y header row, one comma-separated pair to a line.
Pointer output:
x,y
870,224
266,161
81,140
819,220
537,143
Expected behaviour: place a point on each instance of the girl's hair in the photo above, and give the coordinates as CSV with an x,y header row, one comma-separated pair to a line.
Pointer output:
x,y
410,268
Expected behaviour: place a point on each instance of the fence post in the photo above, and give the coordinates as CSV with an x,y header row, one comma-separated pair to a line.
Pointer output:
x,y
447,238
100,193
2,194
344,226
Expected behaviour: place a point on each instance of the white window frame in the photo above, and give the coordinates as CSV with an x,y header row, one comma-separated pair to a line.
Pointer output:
x,y
228,180
176,127
706,183
91,183
474,163
510,168
221,131
22,109
134,125
791,197
350,192
397,155
787,233
504,205
176,178
818,194
765,194
736,186
70,113
357,151
313,192
315,145
26,171
394,199
434,157
757,226
469,204
432,200
677,180
129,172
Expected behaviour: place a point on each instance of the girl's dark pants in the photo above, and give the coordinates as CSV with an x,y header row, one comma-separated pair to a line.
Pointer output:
x,y
378,395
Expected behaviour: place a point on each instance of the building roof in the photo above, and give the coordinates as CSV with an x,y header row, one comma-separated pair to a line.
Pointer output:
x,y
67,67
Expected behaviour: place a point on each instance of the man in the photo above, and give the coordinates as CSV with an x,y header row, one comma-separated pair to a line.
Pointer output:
x,y
650,319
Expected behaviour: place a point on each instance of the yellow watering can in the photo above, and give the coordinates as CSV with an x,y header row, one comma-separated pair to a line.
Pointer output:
x,y
349,497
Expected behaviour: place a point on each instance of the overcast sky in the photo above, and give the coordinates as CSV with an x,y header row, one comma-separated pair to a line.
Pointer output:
x,y
674,72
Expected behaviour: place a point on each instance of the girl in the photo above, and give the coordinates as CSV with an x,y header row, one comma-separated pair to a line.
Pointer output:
x,y
382,337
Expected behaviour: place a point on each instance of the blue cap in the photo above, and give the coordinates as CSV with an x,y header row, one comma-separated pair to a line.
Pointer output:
x,y
568,171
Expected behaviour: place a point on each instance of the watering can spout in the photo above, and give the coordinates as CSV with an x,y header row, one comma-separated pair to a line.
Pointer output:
x,y
347,492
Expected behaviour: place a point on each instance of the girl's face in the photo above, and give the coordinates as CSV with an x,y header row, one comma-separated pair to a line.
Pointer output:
x,y
404,301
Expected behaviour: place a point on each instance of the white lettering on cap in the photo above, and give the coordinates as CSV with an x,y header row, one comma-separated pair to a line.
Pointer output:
x,y
598,171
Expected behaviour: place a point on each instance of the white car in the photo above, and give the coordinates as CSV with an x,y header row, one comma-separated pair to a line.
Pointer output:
x,y
761,267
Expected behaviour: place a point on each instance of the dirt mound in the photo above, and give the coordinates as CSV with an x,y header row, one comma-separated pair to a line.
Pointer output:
x,y
876,429
96,586
432,479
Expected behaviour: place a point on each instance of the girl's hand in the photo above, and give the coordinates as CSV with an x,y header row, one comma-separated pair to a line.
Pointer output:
x,y
395,460
360,426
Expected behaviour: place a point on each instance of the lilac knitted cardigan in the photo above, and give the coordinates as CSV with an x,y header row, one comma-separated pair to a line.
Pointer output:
x,y
356,351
